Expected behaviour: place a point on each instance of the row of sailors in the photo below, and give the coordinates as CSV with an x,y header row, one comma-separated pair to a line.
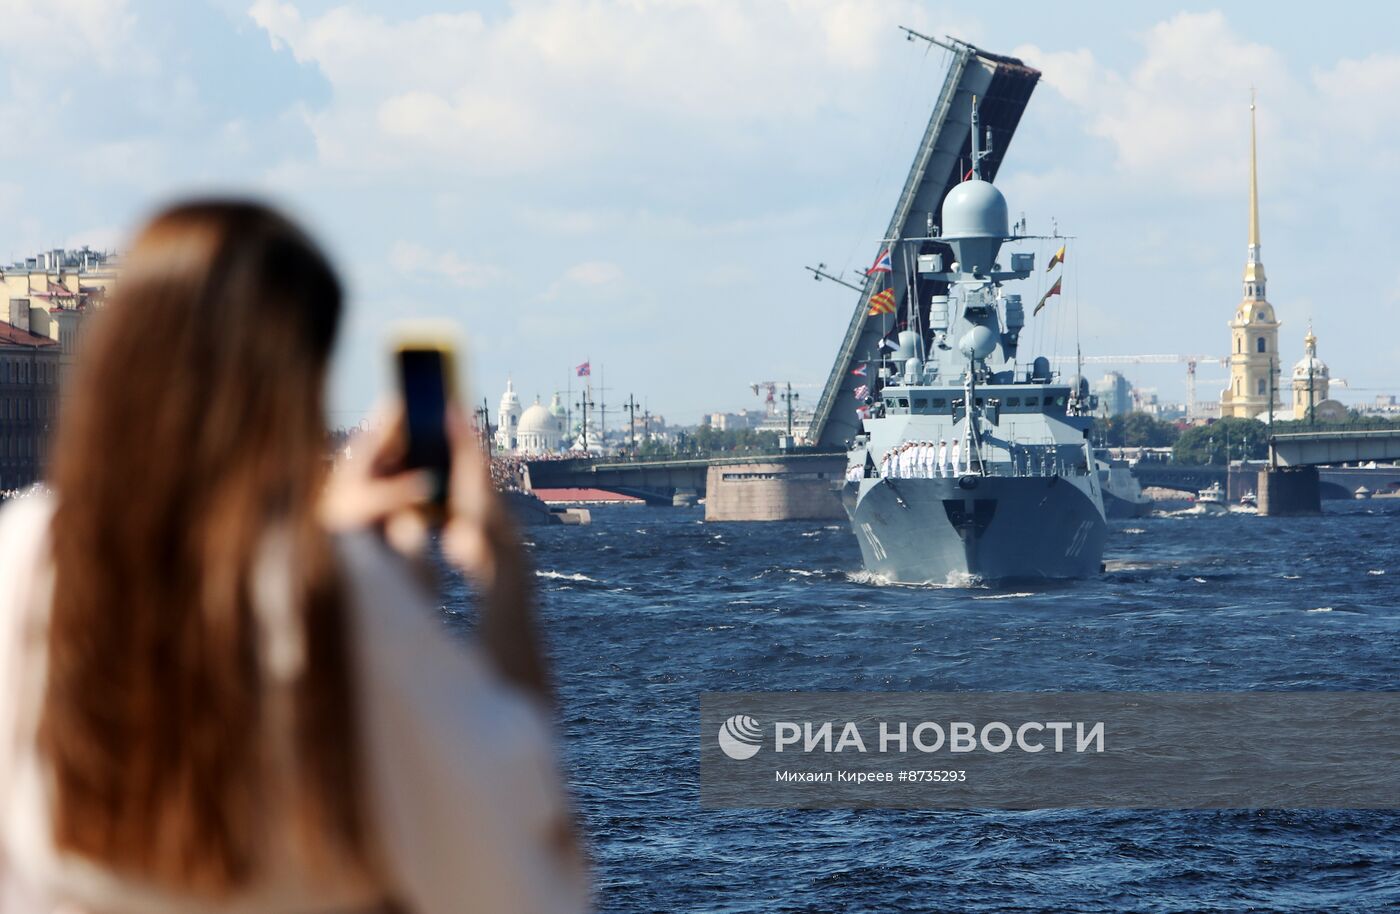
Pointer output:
x,y
917,460
922,460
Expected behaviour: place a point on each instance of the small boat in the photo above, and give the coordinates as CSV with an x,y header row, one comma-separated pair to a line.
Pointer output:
x,y
1249,500
1362,493
1211,500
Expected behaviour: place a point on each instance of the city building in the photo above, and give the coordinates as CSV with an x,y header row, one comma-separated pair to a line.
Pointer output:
x,y
540,431
1311,380
29,383
1254,360
45,304
728,422
1385,406
1115,394
54,293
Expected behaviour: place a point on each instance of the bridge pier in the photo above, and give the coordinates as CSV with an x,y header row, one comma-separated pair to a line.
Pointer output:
x,y
776,489
1289,492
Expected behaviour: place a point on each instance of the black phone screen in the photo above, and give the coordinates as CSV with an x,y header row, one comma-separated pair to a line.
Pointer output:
x,y
421,374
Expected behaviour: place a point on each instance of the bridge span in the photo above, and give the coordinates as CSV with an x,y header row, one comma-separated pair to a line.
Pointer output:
x,y
792,486
1323,448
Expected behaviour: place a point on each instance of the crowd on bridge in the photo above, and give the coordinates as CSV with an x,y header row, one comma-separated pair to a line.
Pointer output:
x,y
36,489
508,473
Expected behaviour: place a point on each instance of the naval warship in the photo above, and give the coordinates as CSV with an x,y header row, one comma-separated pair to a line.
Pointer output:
x,y
970,463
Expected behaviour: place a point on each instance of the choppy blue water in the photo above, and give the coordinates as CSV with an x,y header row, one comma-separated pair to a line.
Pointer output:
x,y
648,608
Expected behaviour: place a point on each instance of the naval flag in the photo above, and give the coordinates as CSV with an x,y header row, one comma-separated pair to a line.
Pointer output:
x,y
882,303
861,391
1059,257
882,264
585,370
1053,290
859,371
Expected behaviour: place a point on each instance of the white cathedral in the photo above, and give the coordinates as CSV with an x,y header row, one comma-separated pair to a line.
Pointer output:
x,y
536,430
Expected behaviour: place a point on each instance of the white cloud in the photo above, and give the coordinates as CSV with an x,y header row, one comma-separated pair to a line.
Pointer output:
x,y
53,35
593,273
1179,114
417,260
555,81
591,280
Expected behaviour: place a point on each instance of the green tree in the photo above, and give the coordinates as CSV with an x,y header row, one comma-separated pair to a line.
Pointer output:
x,y
1142,430
1134,430
1222,441
706,441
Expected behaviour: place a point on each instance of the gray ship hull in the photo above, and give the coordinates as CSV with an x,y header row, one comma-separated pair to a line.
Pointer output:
x,y
946,530
1124,509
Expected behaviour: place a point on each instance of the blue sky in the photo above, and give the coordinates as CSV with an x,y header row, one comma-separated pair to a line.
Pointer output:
x,y
640,182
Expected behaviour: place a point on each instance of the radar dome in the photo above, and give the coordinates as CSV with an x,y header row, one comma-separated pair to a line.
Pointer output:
x,y
978,342
975,209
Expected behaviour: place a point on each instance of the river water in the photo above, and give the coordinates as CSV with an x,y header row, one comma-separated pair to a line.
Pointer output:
x,y
648,608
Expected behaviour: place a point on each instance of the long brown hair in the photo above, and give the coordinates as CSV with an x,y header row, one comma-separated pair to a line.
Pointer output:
x,y
196,426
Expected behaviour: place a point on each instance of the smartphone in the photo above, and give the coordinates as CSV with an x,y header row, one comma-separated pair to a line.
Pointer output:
x,y
425,361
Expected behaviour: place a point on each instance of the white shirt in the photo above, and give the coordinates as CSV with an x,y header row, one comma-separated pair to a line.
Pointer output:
x,y
464,799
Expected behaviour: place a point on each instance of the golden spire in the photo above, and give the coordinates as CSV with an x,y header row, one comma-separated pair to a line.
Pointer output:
x,y
1254,267
1253,181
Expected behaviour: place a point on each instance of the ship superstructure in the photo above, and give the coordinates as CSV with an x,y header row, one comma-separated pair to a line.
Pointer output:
x,y
971,462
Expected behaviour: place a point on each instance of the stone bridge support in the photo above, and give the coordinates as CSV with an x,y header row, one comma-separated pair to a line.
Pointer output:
x,y
1289,492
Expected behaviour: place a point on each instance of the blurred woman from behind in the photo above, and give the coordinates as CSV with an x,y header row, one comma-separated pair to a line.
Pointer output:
x,y
223,691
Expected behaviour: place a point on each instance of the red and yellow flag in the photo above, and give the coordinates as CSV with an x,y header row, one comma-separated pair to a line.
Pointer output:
x,y
882,302
1053,290
1059,257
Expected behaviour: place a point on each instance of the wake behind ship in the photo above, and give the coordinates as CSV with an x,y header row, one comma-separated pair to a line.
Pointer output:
x,y
969,464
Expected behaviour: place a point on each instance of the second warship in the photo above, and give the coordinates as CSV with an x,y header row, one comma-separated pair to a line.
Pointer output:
x,y
971,465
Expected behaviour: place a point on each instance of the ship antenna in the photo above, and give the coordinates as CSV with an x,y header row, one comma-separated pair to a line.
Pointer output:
x,y
978,154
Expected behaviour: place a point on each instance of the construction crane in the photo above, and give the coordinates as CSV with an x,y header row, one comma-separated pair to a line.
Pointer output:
x,y
770,402
1191,362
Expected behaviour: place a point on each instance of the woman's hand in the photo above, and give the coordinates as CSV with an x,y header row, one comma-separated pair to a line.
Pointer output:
x,y
480,538
369,490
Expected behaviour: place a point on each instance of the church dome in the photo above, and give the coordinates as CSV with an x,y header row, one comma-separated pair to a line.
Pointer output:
x,y
539,430
538,420
1310,364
